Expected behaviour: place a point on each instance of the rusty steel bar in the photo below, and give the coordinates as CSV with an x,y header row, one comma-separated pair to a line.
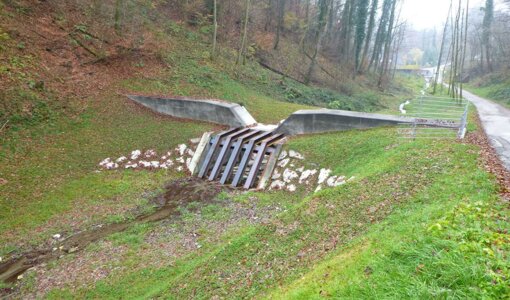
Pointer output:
x,y
246,157
212,150
224,150
238,146
252,175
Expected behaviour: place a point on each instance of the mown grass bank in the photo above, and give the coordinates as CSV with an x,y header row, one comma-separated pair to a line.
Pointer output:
x,y
422,220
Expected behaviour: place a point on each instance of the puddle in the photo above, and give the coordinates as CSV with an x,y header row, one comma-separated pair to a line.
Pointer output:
x,y
177,194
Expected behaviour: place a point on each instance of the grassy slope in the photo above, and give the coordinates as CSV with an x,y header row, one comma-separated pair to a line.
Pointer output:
x,y
422,220
44,161
493,86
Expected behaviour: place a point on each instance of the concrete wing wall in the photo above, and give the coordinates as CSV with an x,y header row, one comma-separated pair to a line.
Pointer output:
x,y
212,111
326,120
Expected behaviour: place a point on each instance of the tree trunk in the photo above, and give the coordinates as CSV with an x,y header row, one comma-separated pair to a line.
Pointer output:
x,y
321,24
117,17
441,51
279,27
370,32
242,51
215,30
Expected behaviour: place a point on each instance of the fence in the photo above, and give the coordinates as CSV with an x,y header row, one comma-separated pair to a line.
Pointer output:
x,y
435,118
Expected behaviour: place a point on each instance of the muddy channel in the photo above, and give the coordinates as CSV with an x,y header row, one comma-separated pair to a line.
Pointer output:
x,y
176,194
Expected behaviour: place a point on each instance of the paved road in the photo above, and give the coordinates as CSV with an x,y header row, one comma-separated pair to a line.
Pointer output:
x,y
496,121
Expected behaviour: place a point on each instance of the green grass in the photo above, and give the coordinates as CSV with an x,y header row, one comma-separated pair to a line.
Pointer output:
x,y
52,173
498,92
493,86
367,239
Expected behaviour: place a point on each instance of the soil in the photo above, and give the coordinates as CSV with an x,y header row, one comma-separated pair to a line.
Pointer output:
x,y
177,194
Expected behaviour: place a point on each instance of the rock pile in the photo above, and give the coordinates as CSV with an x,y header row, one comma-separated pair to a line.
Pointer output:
x,y
176,159
290,173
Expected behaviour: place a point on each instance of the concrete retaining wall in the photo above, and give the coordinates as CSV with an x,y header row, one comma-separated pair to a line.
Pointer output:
x,y
326,120
213,111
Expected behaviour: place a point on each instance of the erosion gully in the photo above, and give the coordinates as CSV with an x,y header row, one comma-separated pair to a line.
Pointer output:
x,y
176,194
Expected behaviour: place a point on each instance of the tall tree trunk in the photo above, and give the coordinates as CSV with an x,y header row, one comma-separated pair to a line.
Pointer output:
x,y
215,30
242,51
464,53
361,23
487,26
321,25
117,22
279,27
441,51
387,46
381,33
370,32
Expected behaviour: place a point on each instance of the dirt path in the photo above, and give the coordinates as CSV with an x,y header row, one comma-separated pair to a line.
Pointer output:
x,y
496,122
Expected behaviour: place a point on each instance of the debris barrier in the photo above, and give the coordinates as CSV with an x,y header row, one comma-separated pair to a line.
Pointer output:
x,y
240,157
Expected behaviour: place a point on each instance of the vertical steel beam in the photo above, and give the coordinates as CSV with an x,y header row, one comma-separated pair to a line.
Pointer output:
x,y
252,175
205,165
234,155
246,157
224,150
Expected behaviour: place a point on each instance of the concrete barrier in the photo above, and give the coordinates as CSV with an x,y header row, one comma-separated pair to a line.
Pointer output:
x,y
327,120
213,111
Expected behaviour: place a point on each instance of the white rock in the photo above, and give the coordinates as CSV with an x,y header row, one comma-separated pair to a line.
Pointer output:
x,y
283,155
135,154
195,140
164,166
169,162
323,175
150,153
105,162
144,164
1,259
300,170
181,148
289,175
155,164
291,188
188,162
111,166
331,180
179,169
57,236
283,163
276,175
190,152
131,166
319,187
306,174
351,179
164,157
121,159
277,185
20,277
180,160
295,154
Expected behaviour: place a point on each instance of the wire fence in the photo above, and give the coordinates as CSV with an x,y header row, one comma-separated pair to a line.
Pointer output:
x,y
435,118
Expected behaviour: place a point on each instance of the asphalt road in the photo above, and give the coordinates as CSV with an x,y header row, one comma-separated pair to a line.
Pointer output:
x,y
496,122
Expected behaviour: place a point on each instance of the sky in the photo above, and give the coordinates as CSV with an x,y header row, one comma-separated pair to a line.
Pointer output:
x,y
423,14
